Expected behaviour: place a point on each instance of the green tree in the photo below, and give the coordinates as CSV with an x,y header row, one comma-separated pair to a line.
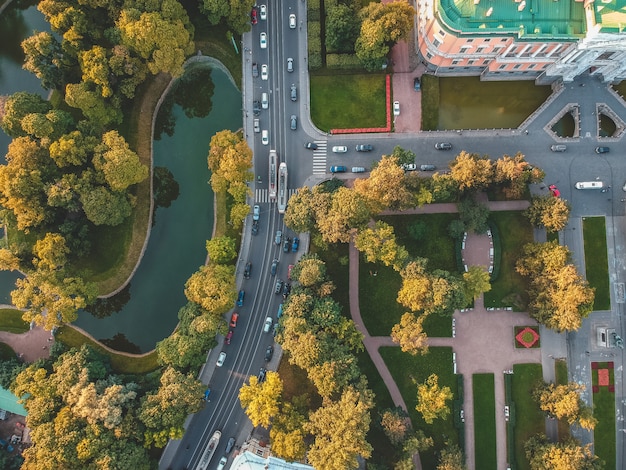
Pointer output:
x,y
235,12
261,401
471,171
18,106
431,399
403,156
101,111
474,215
417,442
222,250
213,288
309,271
451,458
379,244
564,402
342,28
549,212
72,149
565,455
340,429
410,335
119,164
44,58
475,282
103,206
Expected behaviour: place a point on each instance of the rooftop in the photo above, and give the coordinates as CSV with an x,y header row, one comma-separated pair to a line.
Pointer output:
x,y
529,18
249,461
611,15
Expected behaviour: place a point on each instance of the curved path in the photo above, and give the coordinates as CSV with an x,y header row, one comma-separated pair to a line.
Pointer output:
x,y
481,344
30,346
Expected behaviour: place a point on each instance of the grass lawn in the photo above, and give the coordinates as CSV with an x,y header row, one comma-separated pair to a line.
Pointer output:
x,y
377,297
347,101
11,321
430,102
604,433
406,369
337,269
596,260
529,418
121,363
509,289
484,421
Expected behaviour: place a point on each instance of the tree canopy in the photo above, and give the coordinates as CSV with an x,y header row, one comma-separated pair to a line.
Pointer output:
x,y
432,398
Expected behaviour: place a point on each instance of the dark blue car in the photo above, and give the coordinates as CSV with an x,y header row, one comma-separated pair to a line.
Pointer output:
x,y
242,294
295,244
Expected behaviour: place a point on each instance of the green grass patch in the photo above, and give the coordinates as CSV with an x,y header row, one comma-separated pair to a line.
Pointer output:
x,y
11,321
560,371
378,291
509,289
596,260
6,352
430,102
529,418
484,421
121,363
348,101
336,257
604,412
407,369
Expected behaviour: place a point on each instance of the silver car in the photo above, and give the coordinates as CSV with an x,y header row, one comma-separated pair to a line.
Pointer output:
x,y
289,64
294,122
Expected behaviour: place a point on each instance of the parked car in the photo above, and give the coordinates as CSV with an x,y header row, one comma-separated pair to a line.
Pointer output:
x,y
269,352
428,167
265,102
263,12
256,107
286,245
262,374
253,16
267,326
417,86
310,146
278,237
278,288
396,108
286,290
247,270
364,148
409,166
233,319
292,21
558,148
294,92
228,337
255,70
338,169
602,150
340,149
257,125
263,40
358,169
255,227
240,298
289,268
264,72
295,244
256,212
229,445
443,146
220,359
290,65
554,190
274,267
280,312
293,123
265,137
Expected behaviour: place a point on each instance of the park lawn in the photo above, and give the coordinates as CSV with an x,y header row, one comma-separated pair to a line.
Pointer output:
x,y
509,289
430,102
11,321
437,246
529,418
337,261
120,363
484,421
378,291
343,101
596,260
407,371
604,433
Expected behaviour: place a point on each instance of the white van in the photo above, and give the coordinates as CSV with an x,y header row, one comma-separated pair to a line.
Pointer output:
x,y
264,101
257,126
589,185
265,137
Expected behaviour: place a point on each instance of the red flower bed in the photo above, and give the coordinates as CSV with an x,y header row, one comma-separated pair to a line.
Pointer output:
x,y
527,337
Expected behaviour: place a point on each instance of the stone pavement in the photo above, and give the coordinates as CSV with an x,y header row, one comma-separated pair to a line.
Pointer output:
x,y
30,346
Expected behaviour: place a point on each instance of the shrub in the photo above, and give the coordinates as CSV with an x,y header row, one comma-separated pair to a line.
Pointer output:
x,y
342,61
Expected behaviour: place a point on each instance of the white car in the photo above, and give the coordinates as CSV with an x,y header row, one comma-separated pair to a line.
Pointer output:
x,y
290,64
263,40
396,108
263,12
222,464
221,359
264,101
292,21
265,137
268,325
409,167
264,73
340,149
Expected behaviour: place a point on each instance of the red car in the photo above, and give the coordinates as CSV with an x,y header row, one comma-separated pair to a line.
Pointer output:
x,y
233,320
554,190
228,337
253,16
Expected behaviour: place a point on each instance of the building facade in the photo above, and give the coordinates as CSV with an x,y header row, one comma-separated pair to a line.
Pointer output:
x,y
541,40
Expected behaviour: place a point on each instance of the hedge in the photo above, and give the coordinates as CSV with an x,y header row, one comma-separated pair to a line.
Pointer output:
x,y
343,61
315,45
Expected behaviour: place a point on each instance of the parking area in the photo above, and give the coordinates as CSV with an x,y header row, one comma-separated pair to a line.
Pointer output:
x,y
410,118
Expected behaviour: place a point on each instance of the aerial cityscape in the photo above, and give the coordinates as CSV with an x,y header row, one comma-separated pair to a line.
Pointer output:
x,y
315,234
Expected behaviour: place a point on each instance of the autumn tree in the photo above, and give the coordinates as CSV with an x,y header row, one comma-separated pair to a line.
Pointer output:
x,y
567,454
451,458
261,401
564,402
383,25
300,213
379,244
230,160
17,107
475,282
559,297
471,171
396,424
347,213
513,174
340,429
549,212
103,111
213,288
309,271
410,335
287,434
221,250
118,163
385,188
44,58
431,399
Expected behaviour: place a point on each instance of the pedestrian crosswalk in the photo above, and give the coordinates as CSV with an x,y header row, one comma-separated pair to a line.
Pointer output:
x,y
261,196
319,157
